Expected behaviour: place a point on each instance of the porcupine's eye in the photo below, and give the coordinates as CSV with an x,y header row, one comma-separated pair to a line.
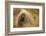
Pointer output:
x,y
21,19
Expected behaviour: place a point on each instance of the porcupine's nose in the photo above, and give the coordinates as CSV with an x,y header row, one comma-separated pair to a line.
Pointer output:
x,y
21,19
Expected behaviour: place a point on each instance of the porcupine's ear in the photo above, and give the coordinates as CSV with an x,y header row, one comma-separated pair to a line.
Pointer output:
x,y
16,11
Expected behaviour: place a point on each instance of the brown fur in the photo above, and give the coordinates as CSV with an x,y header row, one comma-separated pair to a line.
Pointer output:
x,y
31,19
